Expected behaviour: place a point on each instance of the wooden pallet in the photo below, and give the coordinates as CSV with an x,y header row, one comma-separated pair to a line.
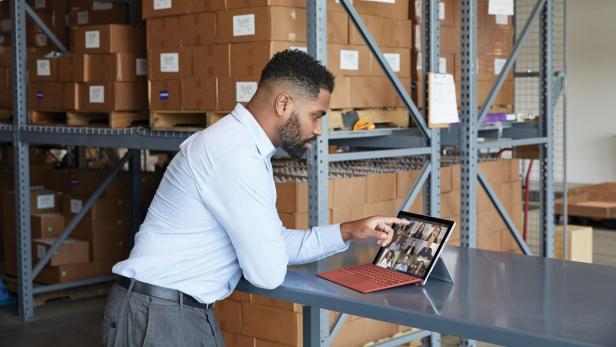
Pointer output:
x,y
114,119
77,293
385,117
183,120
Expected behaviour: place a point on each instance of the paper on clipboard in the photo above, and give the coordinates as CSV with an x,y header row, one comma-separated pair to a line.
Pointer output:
x,y
442,103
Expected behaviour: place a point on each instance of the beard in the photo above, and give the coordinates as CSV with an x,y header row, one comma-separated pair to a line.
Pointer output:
x,y
291,139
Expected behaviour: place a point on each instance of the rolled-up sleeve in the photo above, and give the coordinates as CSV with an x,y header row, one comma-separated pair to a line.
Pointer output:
x,y
305,246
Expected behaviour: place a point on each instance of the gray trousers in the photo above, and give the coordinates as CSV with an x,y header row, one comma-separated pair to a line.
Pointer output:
x,y
133,319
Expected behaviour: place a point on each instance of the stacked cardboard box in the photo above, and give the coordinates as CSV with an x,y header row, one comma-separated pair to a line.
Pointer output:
x,y
84,13
495,41
209,57
106,73
251,320
69,263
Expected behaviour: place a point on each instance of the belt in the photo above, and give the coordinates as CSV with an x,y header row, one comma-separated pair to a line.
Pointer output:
x,y
162,293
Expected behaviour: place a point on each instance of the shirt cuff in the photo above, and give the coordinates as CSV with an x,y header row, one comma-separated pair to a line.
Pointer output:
x,y
332,238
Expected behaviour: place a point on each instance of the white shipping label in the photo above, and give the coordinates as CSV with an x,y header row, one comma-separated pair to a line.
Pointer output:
x,y
162,4
170,62
498,65
303,49
93,39
97,94
41,40
502,7
76,205
418,11
349,60
393,59
101,6
502,19
419,61
40,251
141,67
45,201
43,67
244,91
417,37
40,4
83,17
5,25
442,65
244,25
441,10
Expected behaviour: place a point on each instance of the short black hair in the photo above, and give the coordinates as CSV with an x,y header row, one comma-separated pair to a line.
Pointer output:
x,y
299,68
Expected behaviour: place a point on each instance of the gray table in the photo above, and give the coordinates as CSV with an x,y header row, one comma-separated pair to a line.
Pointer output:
x,y
500,298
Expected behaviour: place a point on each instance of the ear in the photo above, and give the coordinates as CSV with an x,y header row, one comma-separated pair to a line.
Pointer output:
x,y
284,105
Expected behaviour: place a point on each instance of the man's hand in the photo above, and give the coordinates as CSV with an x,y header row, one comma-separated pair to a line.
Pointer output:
x,y
377,227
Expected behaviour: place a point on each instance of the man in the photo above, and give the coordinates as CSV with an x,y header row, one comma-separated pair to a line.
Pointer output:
x,y
214,217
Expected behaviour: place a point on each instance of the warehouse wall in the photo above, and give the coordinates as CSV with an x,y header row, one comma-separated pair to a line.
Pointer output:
x,y
591,91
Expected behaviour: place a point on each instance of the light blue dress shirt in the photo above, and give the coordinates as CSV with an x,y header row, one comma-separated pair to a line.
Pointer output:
x,y
214,219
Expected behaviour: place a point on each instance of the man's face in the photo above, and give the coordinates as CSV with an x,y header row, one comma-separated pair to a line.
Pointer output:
x,y
304,125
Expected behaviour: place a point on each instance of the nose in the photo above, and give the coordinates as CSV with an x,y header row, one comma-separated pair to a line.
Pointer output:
x,y
318,130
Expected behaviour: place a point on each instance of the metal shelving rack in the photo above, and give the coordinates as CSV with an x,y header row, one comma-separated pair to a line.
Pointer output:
x,y
384,142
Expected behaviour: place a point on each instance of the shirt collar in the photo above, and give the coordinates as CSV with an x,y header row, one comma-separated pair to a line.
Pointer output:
x,y
264,144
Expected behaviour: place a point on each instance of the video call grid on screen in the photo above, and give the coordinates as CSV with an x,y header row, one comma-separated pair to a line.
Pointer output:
x,y
413,247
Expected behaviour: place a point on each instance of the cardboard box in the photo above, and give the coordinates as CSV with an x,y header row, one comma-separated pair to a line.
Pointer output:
x,y
42,200
112,96
199,94
43,70
399,60
365,92
169,63
449,12
99,14
348,191
157,8
236,90
357,332
398,9
238,340
275,24
292,197
71,251
104,268
382,208
294,220
118,67
249,58
381,187
579,243
5,78
240,296
65,273
235,4
6,98
281,326
229,316
448,63
450,203
198,29
215,61
381,30
489,66
342,214
163,32
261,24
113,38
103,208
109,238
347,60
49,224
165,95
53,96
84,182
485,20
74,67
495,41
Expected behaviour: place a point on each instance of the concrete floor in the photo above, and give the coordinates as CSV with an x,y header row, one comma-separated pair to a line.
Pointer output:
x,y
77,323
